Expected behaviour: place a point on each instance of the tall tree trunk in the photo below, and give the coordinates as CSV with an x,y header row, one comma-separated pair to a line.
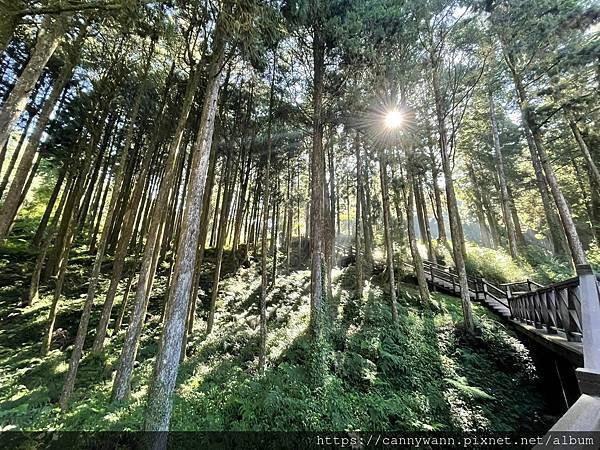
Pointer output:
x,y
95,274
218,202
515,218
367,211
328,242
105,188
228,186
121,384
387,231
439,211
585,199
203,232
158,410
64,248
16,153
576,249
504,199
275,232
123,307
30,177
89,189
37,238
317,160
592,167
242,202
45,240
333,207
95,209
555,228
422,205
127,228
358,219
266,182
485,232
575,245
453,214
10,207
414,249
46,43
289,221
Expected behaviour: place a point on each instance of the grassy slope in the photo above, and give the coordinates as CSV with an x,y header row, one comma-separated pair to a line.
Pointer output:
x,y
422,375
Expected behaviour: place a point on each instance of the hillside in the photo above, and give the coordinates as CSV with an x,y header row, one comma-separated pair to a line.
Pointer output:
x,y
422,374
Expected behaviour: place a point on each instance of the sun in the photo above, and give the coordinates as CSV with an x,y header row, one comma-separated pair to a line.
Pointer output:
x,y
393,119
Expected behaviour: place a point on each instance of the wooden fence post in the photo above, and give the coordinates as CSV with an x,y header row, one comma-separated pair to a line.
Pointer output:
x,y
484,288
453,283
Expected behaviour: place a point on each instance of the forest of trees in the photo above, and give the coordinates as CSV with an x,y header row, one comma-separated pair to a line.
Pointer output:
x,y
152,150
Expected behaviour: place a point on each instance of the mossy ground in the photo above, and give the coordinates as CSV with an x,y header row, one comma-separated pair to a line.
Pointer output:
x,y
422,374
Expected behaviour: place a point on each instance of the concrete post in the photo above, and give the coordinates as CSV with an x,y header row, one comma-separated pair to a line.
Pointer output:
x,y
590,317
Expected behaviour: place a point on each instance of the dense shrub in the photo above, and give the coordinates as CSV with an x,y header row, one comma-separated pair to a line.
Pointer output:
x,y
493,264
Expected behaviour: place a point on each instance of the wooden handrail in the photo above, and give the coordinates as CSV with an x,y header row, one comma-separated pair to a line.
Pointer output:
x,y
499,300
556,307
535,283
495,288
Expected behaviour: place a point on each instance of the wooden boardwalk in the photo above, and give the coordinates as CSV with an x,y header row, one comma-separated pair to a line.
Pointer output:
x,y
549,315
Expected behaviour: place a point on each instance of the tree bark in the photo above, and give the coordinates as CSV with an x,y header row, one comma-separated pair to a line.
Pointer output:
x,y
453,214
422,205
127,230
69,220
202,238
389,246
121,384
11,204
317,160
504,198
358,218
228,186
592,167
568,225
123,307
16,152
158,410
515,217
439,211
46,43
266,182
69,384
37,238
557,235
414,249
45,240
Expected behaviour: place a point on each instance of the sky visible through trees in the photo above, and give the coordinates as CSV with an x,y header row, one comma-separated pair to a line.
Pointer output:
x,y
172,168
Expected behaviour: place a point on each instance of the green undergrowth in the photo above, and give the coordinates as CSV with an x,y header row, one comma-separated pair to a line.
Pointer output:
x,y
534,262
423,373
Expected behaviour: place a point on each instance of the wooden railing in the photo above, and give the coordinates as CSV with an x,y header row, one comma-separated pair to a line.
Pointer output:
x,y
564,309
512,289
480,287
557,308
